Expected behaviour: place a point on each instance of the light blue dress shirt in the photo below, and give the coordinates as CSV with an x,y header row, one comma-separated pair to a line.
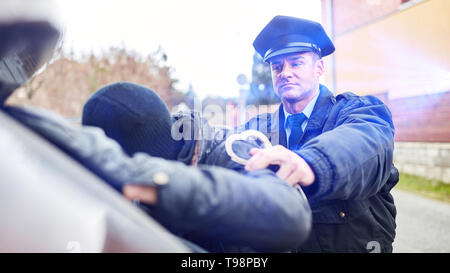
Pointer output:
x,y
307,111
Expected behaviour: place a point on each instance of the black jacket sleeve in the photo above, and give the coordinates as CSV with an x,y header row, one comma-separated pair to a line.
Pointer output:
x,y
255,209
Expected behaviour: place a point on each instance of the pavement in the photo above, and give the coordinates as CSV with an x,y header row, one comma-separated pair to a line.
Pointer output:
x,y
423,224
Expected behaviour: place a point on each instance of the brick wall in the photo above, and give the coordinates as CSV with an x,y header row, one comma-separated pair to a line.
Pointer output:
x,y
422,122
422,135
423,118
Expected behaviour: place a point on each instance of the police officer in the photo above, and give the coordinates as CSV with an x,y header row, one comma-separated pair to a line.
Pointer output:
x,y
338,148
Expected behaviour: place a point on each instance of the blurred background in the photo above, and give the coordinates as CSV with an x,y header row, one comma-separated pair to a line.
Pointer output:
x,y
188,51
199,54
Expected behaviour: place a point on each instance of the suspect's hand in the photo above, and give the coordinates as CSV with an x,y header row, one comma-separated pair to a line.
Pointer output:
x,y
146,194
293,168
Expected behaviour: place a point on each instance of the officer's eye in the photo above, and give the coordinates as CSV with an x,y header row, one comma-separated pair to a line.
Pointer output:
x,y
297,64
276,67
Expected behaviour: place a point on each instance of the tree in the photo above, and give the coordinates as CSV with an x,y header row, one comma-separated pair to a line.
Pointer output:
x,y
66,84
261,89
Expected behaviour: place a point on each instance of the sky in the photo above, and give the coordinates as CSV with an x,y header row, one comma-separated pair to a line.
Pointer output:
x,y
208,42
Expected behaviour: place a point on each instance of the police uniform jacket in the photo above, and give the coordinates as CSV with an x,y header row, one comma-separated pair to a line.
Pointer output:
x,y
348,143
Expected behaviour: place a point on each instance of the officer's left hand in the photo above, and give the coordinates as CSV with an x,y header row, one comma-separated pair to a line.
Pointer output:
x,y
293,168
146,194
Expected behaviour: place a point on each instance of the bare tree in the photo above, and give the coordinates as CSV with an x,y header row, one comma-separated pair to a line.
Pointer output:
x,y
66,83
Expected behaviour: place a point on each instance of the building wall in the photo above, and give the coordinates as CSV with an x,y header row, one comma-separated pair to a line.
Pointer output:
x,y
340,16
422,138
399,52
431,160
424,118
349,14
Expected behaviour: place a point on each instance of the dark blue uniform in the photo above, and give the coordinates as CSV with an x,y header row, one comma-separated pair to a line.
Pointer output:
x,y
348,142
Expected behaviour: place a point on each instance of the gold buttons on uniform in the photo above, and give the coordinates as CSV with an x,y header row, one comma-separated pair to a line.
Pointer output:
x,y
161,178
342,214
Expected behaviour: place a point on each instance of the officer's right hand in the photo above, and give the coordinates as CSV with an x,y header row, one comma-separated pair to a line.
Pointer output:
x,y
293,168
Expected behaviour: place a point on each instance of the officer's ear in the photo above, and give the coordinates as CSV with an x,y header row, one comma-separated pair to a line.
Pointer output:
x,y
319,67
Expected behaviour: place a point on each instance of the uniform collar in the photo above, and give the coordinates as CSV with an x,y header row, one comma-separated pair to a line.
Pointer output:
x,y
320,112
307,111
318,115
275,121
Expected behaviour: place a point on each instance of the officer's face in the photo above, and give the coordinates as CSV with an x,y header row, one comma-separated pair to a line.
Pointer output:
x,y
295,76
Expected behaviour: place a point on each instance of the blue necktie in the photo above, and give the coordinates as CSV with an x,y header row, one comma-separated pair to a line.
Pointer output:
x,y
294,122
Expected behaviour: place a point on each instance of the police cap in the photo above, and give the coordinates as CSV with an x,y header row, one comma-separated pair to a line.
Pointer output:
x,y
284,34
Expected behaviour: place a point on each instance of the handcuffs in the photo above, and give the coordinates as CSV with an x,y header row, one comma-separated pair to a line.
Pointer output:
x,y
245,135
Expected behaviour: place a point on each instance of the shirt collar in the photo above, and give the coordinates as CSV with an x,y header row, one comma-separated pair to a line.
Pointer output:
x,y
307,111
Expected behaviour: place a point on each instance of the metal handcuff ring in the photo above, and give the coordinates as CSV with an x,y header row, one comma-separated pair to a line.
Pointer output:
x,y
243,136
